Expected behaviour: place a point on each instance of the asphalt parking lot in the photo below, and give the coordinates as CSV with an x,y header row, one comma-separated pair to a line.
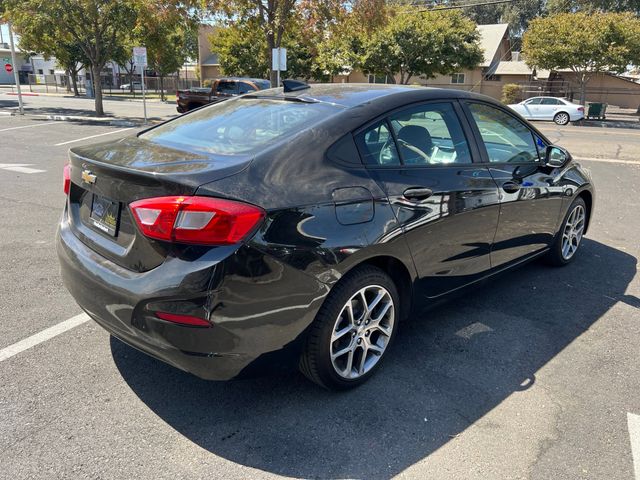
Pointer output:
x,y
534,376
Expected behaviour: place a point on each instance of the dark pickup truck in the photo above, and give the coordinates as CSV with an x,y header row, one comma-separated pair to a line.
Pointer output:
x,y
221,89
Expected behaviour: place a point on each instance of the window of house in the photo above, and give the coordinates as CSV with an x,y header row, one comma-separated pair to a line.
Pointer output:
x,y
493,78
40,71
457,78
377,79
505,138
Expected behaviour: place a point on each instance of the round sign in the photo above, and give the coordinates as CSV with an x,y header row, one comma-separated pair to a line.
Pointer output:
x,y
8,67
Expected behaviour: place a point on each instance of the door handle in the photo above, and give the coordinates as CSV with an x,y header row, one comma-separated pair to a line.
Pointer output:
x,y
510,187
417,193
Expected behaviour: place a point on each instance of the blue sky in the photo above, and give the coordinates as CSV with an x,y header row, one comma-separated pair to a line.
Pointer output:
x,y
5,34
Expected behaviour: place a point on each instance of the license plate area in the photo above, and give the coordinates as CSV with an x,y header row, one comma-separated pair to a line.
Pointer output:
x,y
105,214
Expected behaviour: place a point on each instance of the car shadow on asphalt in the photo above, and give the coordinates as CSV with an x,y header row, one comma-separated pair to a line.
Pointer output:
x,y
447,369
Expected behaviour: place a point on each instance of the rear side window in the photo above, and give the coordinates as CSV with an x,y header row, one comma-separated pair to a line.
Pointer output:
x,y
376,145
505,138
550,101
240,125
228,88
430,134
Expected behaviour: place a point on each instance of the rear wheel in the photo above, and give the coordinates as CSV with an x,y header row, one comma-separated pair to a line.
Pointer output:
x,y
561,118
352,330
569,238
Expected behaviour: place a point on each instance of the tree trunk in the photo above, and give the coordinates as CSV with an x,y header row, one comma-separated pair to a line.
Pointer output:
x,y
68,73
583,92
74,81
97,90
162,87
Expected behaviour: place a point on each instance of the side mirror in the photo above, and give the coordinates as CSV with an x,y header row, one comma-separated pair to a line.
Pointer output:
x,y
556,157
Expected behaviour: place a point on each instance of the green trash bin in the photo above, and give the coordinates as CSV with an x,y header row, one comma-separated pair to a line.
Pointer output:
x,y
597,110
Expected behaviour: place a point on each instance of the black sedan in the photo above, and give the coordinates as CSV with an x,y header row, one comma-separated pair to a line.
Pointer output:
x,y
307,223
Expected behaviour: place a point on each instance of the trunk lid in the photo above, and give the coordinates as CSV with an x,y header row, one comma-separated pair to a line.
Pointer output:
x,y
107,177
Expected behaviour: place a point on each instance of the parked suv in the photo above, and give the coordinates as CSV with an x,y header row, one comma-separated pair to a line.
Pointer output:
x,y
221,89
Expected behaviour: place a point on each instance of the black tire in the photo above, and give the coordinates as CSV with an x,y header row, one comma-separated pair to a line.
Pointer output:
x,y
315,361
555,256
561,118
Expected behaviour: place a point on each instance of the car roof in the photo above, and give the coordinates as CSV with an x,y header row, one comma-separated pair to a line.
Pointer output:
x,y
357,94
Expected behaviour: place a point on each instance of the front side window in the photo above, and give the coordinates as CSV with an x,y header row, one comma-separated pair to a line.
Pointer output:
x,y
376,145
244,87
534,101
505,137
430,134
227,88
457,78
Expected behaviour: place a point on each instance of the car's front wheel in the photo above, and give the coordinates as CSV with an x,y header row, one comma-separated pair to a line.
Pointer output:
x,y
561,118
569,238
352,331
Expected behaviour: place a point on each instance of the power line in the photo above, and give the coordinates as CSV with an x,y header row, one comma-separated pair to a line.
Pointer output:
x,y
449,6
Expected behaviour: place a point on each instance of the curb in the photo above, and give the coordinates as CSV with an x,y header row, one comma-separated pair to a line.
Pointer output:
x,y
79,118
607,124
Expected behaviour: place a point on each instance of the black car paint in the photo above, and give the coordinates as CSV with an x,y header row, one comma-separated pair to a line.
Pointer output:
x,y
326,214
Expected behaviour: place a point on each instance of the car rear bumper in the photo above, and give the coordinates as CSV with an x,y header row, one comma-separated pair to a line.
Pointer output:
x,y
256,304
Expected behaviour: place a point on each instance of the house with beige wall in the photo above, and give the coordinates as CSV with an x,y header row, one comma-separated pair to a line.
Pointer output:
x,y
500,66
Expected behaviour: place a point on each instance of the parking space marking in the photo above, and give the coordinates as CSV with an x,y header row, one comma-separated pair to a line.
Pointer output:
x,y
20,168
42,336
633,422
92,136
25,126
608,160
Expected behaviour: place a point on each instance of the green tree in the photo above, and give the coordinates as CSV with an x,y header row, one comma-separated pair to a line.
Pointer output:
x,y
427,44
241,49
162,28
589,6
97,27
585,43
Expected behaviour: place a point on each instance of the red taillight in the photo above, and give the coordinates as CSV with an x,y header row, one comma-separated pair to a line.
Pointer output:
x,y
183,319
581,109
196,220
66,175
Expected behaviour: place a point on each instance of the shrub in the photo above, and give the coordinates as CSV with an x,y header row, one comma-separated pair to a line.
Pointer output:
x,y
510,93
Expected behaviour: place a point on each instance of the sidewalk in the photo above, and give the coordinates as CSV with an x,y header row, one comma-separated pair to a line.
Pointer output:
x,y
616,117
118,111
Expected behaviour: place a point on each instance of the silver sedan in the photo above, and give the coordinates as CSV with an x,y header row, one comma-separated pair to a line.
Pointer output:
x,y
559,110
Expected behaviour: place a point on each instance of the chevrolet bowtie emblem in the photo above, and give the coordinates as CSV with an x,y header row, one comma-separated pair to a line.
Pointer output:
x,y
88,177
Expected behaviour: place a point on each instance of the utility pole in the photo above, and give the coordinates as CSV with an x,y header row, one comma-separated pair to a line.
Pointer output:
x,y
15,69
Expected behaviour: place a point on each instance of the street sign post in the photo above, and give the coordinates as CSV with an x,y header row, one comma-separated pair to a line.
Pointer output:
x,y
140,58
278,62
15,72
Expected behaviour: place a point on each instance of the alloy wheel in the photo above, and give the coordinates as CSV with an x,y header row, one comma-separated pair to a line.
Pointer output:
x,y
362,331
562,119
572,232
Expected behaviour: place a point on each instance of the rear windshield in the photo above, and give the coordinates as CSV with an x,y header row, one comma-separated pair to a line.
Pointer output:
x,y
242,125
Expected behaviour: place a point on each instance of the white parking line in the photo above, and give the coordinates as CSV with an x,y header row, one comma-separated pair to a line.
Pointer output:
x,y
25,126
633,423
92,136
20,168
608,160
42,336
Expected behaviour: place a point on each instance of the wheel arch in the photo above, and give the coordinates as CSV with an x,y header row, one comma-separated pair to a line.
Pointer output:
x,y
399,273
587,196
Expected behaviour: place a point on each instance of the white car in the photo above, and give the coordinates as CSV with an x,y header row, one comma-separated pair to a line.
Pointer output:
x,y
559,110
128,86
